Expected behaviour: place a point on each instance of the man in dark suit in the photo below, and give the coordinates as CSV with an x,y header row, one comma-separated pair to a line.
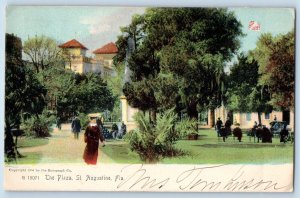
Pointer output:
x,y
76,127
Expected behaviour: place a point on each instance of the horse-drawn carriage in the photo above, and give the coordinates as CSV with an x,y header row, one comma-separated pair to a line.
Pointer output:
x,y
260,133
277,129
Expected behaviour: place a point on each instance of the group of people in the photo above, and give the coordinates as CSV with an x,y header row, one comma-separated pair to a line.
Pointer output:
x,y
261,132
118,131
93,136
223,130
265,135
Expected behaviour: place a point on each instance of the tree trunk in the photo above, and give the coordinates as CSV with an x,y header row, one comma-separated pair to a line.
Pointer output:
x,y
259,118
9,142
193,113
153,116
212,117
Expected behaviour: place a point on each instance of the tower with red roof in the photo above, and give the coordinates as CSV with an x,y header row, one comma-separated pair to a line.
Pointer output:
x,y
105,55
77,60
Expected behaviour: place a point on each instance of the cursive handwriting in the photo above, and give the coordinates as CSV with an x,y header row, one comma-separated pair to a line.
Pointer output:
x,y
139,178
237,183
193,178
197,179
189,179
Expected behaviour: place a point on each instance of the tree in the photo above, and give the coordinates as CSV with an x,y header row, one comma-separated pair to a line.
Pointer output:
x,y
23,92
244,94
42,52
115,84
81,93
276,58
192,44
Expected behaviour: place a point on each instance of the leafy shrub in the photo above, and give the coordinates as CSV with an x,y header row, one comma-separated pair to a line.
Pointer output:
x,y
39,126
186,127
84,120
153,142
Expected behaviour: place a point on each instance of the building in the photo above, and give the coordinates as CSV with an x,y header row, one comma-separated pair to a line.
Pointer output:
x,y
79,62
104,56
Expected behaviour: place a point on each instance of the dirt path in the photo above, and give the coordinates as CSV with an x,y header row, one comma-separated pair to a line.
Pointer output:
x,y
63,148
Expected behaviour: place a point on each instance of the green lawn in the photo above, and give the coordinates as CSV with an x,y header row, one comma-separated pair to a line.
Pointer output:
x,y
30,142
30,157
208,149
120,152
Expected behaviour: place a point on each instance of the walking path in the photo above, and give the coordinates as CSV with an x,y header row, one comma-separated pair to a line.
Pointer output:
x,y
64,148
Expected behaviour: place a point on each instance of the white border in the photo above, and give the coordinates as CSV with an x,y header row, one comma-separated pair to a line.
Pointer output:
x,y
188,3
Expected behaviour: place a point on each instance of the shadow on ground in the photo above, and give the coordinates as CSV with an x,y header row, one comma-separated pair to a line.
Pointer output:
x,y
242,145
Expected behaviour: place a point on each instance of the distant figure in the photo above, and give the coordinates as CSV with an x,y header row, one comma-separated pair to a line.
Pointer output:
x,y
237,132
258,133
284,134
255,126
253,133
123,129
92,136
228,126
266,136
58,123
275,118
223,133
114,130
218,126
76,127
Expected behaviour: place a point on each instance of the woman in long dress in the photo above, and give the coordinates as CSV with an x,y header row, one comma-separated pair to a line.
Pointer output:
x,y
92,136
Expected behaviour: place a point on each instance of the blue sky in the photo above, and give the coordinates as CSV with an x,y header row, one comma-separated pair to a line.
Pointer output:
x,y
96,26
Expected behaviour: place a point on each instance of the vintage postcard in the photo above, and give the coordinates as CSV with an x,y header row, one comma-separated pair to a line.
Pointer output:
x,y
149,99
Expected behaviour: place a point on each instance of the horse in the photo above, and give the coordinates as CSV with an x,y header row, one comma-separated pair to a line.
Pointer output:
x,y
223,133
266,135
237,132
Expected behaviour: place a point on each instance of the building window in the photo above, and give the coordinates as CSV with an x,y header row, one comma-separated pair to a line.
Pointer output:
x,y
248,116
267,116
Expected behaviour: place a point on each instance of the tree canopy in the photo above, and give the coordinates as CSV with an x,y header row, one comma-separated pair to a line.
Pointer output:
x,y
276,59
244,94
188,47
42,52
24,94
67,93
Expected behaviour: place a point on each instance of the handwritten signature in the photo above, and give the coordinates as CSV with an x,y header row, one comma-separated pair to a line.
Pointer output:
x,y
139,178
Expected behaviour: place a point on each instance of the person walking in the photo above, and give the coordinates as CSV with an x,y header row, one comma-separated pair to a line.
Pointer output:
x,y
92,136
228,126
218,126
58,123
76,127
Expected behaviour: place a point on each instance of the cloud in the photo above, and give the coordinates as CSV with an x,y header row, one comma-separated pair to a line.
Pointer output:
x,y
111,21
96,29
88,20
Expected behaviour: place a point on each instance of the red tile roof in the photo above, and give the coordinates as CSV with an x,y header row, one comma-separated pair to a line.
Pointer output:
x,y
72,44
109,48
